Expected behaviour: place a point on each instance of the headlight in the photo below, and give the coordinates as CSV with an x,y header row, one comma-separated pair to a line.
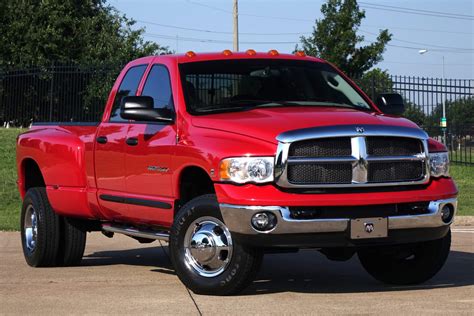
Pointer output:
x,y
439,164
247,169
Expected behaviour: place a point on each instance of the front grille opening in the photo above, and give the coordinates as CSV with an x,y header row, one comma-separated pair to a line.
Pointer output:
x,y
393,146
395,171
335,169
352,212
320,173
324,147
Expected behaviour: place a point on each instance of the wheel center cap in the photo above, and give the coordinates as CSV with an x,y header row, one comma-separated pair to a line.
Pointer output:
x,y
203,248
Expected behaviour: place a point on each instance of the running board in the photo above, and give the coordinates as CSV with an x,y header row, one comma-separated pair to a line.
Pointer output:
x,y
135,232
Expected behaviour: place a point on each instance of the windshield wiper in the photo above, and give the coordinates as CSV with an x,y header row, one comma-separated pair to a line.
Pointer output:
x,y
306,103
249,104
245,104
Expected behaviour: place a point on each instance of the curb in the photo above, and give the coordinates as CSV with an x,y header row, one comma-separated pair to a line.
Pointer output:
x,y
464,221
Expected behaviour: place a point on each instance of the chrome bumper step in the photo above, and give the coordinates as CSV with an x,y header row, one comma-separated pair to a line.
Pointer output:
x,y
136,232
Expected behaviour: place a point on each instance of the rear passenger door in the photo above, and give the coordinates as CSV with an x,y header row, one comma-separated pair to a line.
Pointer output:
x,y
110,149
148,152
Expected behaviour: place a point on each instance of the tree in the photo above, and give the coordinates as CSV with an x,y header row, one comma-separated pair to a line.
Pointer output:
x,y
459,114
375,82
40,32
415,114
335,38
92,38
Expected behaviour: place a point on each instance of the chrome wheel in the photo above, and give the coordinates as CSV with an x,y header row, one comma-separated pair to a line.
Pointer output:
x,y
208,247
31,228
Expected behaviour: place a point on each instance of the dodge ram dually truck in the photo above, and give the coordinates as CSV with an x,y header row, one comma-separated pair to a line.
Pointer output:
x,y
230,155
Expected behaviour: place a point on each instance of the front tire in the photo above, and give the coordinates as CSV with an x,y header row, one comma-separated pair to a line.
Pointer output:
x,y
206,258
406,264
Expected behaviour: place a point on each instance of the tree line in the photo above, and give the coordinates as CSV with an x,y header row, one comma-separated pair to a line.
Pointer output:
x,y
42,33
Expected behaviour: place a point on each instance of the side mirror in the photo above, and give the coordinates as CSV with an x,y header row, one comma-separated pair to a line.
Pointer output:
x,y
390,103
140,108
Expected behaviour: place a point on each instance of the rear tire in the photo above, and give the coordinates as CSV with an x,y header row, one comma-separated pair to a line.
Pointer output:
x,y
406,264
72,244
206,258
40,229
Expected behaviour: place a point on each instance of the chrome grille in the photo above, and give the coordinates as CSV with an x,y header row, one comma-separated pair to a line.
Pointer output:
x,y
324,147
393,146
345,156
395,171
320,173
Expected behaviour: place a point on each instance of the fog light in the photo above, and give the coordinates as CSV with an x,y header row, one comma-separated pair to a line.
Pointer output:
x,y
264,221
447,213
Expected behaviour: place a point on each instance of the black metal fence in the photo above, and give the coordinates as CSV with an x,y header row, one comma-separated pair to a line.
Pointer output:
x,y
424,99
65,93
59,93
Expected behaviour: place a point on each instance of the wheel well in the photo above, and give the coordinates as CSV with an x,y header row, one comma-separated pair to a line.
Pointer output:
x,y
32,175
194,182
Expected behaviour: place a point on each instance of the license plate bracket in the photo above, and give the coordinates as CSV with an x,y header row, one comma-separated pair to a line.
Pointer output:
x,y
364,228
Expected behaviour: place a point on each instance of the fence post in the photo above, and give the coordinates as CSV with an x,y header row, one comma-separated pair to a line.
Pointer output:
x,y
51,91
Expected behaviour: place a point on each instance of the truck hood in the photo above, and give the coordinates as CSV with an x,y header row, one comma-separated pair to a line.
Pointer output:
x,y
267,123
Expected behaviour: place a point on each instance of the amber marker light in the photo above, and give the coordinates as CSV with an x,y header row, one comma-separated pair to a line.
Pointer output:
x,y
251,52
224,170
226,52
273,52
190,54
300,53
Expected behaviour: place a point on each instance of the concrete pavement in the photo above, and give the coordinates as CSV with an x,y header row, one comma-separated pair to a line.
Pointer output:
x,y
121,276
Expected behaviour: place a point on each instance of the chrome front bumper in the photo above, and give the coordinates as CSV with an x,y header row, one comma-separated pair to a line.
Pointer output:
x,y
238,220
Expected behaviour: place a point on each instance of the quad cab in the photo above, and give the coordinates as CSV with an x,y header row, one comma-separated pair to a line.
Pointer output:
x,y
229,155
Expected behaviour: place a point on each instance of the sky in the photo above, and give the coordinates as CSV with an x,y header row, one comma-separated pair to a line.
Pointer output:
x,y
206,25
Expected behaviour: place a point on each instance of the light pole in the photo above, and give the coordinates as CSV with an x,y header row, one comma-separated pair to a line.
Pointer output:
x,y
236,25
444,122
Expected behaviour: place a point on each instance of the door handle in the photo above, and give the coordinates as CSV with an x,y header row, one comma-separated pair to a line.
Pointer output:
x,y
132,141
102,140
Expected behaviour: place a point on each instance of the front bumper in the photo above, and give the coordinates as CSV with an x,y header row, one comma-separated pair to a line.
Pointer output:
x,y
331,231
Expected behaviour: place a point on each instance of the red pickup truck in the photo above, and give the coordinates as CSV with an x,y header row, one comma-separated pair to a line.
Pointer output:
x,y
230,155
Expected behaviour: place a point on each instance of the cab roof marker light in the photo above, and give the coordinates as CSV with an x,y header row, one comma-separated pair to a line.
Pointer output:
x,y
300,53
227,52
273,52
190,54
251,52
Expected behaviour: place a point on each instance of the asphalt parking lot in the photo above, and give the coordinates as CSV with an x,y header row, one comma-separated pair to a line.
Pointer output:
x,y
121,276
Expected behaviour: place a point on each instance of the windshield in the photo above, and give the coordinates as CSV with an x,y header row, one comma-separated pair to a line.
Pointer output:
x,y
235,85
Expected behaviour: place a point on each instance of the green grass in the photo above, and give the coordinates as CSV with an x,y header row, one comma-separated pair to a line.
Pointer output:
x,y
464,177
10,199
9,196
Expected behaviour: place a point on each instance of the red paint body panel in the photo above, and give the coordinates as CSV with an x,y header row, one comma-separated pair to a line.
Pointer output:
x,y
57,149
156,146
269,195
78,171
72,202
266,124
65,155
110,157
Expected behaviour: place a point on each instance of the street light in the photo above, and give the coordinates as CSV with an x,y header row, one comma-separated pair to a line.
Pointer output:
x,y
443,123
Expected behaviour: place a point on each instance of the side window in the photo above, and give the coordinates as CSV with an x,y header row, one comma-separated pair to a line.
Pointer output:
x,y
129,86
158,86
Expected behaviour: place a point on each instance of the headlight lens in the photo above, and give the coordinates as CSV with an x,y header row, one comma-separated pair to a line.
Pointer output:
x,y
439,164
247,169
